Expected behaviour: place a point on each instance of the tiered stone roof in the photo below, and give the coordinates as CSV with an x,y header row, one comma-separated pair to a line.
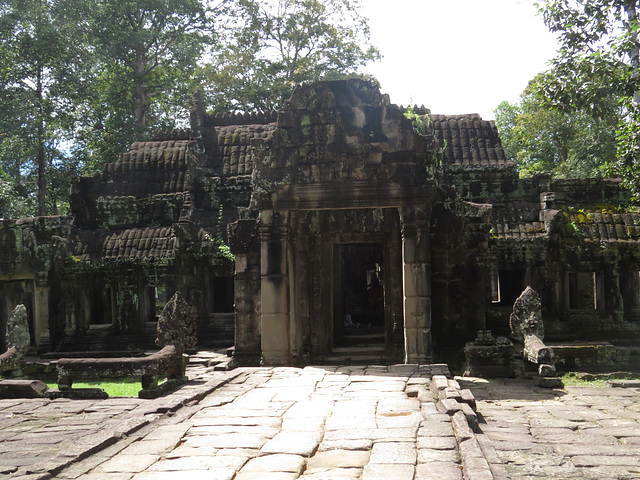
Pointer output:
x,y
601,225
133,243
234,146
148,168
517,221
469,141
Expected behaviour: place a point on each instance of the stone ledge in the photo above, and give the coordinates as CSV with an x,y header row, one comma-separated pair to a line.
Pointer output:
x,y
460,405
74,451
14,388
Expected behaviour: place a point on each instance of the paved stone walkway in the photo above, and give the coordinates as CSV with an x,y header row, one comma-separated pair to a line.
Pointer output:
x,y
41,435
577,432
287,423
326,423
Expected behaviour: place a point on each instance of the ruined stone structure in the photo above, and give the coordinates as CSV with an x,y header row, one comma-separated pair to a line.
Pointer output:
x,y
335,207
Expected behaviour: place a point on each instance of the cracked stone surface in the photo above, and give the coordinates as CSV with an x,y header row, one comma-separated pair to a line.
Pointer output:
x,y
576,432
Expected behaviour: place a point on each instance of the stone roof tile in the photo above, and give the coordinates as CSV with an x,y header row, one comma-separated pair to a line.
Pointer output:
x,y
517,221
603,226
234,147
133,243
157,167
467,140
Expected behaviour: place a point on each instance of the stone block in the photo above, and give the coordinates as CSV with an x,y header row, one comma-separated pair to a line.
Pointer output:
x,y
274,295
275,463
439,382
449,406
22,388
546,370
339,459
470,415
453,384
467,397
78,393
439,471
450,393
388,471
424,395
461,427
393,453
549,382
293,443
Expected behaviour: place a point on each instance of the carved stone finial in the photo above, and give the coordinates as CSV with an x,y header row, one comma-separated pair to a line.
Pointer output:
x,y
526,318
18,336
177,324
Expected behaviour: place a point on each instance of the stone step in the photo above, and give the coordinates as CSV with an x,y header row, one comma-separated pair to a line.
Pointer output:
x,y
364,338
358,355
360,349
357,360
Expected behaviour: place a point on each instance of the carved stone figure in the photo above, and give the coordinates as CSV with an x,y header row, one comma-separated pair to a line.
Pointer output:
x,y
526,318
18,340
527,328
18,330
177,324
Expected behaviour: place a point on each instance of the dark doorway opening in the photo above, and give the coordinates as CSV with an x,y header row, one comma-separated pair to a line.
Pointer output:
x,y
359,295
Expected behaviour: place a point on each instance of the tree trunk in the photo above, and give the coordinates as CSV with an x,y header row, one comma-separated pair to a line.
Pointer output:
x,y
631,7
142,95
41,156
141,107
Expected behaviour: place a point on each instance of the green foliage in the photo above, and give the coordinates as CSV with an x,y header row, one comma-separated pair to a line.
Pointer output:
x,y
275,44
146,55
599,380
12,204
420,125
598,66
543,139
80,80
42,78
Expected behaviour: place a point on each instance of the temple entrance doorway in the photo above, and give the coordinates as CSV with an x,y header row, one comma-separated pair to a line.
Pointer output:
x,y
359,298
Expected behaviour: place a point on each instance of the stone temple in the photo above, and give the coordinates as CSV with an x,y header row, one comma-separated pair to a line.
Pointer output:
x,y
286,231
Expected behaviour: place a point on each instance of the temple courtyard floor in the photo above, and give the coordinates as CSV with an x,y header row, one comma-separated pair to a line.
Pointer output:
x,y
315,423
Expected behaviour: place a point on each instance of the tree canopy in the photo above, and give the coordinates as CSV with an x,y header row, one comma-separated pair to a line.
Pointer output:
x,y
598,61
543,139
279,43
80,80
42,76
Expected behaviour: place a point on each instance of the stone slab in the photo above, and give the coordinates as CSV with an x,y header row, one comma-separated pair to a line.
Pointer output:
x,y
388,471
439,471
295,443
275,463
393,453
14,388
339,459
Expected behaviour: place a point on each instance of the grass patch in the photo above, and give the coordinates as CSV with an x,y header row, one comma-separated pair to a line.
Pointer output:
x,y
598,380
114,388
573,380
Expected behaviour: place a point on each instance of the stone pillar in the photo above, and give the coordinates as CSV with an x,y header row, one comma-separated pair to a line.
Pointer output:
x,y
274,288
416,285
247,309
244,242
41,315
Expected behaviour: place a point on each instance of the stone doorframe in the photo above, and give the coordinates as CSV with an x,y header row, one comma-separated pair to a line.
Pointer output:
x,y
281,333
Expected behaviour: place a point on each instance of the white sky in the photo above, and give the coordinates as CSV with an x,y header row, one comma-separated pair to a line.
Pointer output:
x,y
457,56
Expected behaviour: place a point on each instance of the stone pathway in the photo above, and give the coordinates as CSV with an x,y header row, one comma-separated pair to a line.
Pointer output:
x,y
577,432
313,423
326,423
40,435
